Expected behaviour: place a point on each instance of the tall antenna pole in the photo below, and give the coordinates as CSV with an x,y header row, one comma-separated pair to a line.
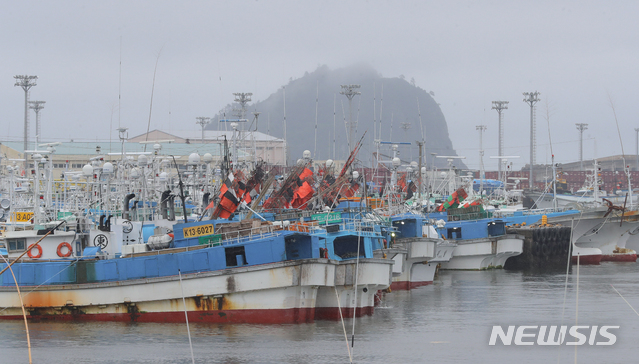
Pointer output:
x,y
350,91
531,99
26,82
481,129
500,106
37,106
203,121
581,127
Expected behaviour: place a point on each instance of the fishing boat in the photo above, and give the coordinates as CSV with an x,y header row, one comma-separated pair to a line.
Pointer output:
x,y
215,271
417,250
481,239
600,234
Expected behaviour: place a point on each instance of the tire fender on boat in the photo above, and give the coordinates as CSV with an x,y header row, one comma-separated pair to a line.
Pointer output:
x,y
546,249
64,244
34,256
536,248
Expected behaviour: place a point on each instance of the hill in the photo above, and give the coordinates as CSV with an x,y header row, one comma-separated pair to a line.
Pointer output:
x,y
399,114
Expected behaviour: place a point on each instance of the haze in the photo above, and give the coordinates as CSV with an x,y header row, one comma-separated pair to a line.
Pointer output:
x,y
580,55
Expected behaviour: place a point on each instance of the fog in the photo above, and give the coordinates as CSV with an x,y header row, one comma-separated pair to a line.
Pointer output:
x,y
580,55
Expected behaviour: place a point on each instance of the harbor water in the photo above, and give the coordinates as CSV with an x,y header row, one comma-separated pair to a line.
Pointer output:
x,y
447,322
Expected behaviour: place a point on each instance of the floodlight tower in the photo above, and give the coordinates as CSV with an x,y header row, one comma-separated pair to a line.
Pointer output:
x,y
203,121
37,106
350,91
26,82
123,135
481,129
637,144
581,127
242,98
500,106
531,99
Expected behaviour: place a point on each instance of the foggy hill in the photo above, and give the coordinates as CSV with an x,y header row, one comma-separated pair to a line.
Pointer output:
x,y
400,107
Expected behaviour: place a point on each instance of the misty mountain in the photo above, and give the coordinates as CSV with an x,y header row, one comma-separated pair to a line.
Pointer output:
x,y
398,112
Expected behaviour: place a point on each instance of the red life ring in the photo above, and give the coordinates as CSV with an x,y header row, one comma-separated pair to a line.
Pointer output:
x,y
64,244
36,256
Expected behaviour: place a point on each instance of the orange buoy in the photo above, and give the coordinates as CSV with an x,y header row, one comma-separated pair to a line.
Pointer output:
x,y
34,256
64,244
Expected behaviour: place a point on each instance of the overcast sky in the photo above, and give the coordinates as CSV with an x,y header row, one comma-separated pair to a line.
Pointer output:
x,y
580,55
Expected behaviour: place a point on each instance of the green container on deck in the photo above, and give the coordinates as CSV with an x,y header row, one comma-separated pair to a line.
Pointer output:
x,y
64,214
214,240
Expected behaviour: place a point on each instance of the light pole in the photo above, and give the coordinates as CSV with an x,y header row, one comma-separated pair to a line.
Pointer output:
x,y
26,82
531,99
350,91
481,129
581,127
203,121
637,144
37,106
500,106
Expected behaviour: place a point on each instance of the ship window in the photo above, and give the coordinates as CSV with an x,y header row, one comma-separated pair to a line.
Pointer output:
x,y
17,245
454,233
235,256
345,247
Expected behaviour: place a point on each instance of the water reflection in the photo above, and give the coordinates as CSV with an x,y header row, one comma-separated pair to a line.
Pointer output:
x,y
447,322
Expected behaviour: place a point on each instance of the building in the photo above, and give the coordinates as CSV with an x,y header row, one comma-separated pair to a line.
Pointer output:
x,y
72,156
253,144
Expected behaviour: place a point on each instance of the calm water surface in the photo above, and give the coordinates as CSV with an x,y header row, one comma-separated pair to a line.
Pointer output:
x,y
448,322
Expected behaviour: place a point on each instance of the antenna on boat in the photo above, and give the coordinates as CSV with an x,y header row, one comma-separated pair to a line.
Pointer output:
x,y
181,190
148,126
504,159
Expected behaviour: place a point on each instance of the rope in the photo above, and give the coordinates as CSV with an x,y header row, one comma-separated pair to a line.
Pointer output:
x,y
577,305
188,330
613,287
350,357
359,238
24,313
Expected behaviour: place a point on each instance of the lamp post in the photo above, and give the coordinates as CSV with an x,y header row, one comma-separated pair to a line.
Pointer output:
x,y
350,91
500,106
26,82
531,99
581,127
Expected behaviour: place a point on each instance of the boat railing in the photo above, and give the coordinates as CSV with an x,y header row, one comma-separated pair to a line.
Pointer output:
x,y
245,235
354,225
531,212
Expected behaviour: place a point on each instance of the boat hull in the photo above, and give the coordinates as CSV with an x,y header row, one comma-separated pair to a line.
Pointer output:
x,y
587,256
373,275
283,292
485,253
417,270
